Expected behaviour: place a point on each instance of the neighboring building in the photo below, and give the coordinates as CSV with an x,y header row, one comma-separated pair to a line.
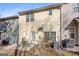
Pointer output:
x,y
70,23
9,29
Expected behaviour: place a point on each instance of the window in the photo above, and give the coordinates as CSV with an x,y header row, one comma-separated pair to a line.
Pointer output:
x,y
30,17
33,36
71,35
53,35
50,35
13,21
76,8
72,32
46,34
77,4
50,12
27,18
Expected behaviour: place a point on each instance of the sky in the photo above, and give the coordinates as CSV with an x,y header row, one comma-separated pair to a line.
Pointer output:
x,y
9,9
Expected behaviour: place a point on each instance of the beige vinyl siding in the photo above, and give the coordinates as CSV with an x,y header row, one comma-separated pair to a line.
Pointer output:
x,y
50,22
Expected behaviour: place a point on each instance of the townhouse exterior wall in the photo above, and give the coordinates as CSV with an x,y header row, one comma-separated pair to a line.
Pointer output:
x,y
51,22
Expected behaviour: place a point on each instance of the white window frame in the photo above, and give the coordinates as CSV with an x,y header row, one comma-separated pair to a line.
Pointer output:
x,y
74,30
50,36
49,11
76,7
33,36
74,40
29,16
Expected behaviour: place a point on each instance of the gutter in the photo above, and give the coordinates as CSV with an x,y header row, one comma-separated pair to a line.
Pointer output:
x,y
60,43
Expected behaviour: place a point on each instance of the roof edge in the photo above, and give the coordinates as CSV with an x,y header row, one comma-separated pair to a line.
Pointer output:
x,y
41,8
9,17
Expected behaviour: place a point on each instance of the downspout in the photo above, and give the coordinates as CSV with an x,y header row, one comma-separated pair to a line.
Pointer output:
x,y
60,44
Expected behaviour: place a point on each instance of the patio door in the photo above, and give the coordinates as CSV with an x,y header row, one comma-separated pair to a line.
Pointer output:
x,y
72,34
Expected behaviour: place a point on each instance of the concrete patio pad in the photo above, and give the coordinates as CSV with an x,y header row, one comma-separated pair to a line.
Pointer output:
x,y
75,49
